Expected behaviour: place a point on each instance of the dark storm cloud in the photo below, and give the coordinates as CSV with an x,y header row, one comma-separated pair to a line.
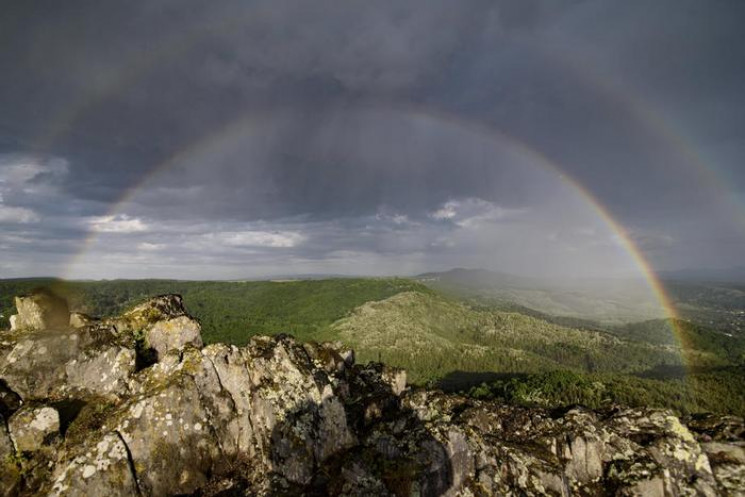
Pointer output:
x,y
111,90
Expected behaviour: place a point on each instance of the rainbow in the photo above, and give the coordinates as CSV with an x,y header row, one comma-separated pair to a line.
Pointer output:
x,y
135,68
250,123
579,62
642,112
650,118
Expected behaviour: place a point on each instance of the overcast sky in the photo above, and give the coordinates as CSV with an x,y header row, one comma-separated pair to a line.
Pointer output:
x,y
242,139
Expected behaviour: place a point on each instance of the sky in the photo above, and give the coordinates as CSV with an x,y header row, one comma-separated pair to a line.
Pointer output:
x,y
248,139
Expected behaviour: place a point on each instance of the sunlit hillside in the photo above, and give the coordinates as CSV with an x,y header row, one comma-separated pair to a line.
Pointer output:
x,y
503,350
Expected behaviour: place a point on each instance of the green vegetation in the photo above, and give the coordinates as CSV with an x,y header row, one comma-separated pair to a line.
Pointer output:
x,y
230,312
594,303
86,419
713,391
488,347
717,305
704,346
457,337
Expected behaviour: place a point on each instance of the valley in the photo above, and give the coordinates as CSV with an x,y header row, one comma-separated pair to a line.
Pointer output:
x,y
458,341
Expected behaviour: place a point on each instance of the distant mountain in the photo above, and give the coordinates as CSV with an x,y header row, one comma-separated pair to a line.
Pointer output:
x,y
608,301
720,275
297,277
480,278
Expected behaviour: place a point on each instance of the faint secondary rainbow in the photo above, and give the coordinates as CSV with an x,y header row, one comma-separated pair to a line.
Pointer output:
x,y
576,60
249,124
585,65
136,67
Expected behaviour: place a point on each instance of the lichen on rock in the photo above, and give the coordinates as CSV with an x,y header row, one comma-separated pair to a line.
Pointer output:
x,y
31,428
83,415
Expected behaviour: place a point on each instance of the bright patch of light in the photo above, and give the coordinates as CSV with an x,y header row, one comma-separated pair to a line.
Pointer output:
x,y
117,224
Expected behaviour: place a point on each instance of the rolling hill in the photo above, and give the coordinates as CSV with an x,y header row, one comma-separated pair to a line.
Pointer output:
x,y
608,302
450,342
431,335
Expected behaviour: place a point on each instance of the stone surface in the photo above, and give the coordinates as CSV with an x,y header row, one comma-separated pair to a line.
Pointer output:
x,y
101,468
150,312
396,378
7,450
278,417
52,363
40,311
10,476
173,334
32,428
80,320
102,371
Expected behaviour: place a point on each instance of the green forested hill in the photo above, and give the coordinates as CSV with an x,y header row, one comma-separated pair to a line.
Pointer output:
x,y
432,336
518,354
229,311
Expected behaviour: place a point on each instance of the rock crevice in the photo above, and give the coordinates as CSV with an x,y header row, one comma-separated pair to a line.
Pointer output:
x,y
130,462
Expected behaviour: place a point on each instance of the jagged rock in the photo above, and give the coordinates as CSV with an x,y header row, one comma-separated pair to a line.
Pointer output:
x,y
40,311
48,358
728,464
396,378
91,360
356,480
162,324
102,468
173,334
151,311
101,371
80,320
284,420
709,427
32,428
10,476
332,357
6,444
181,407
281,418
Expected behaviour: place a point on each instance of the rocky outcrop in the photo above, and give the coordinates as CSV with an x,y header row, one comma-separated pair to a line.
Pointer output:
x,y
63,363
32,428
161,324
41,310
80,320
136,405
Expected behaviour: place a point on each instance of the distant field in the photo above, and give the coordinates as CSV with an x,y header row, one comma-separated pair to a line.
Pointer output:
x,y
492,348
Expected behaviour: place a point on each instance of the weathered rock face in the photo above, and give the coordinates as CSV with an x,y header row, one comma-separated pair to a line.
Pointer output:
x,y
173,334
161,324
80,320
32,428
282,418
40,311
10,478
67,363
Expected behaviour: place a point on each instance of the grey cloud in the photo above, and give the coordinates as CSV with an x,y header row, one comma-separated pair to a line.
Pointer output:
x,y
364,119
